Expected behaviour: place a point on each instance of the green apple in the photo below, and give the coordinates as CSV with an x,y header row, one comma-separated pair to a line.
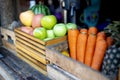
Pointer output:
x,y
60,30
40,33
48,21
71,26
50,34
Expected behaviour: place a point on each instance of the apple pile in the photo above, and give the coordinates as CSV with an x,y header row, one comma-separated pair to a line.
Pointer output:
x,y
43,27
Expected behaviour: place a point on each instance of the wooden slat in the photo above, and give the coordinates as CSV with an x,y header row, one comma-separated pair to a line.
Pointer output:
x,y
78,69
32,60
29,36
31,52
30,41
32,64
31,46
57,40
56,73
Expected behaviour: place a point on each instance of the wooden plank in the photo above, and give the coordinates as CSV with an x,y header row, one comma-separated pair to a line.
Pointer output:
x,y
20,67
32,64
56,73
56,40
6,33
7,73
32,60
31,52
78,69
9,46
29,36
30,41
30,45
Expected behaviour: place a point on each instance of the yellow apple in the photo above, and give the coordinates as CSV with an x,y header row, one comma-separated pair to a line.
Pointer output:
x,y
26,17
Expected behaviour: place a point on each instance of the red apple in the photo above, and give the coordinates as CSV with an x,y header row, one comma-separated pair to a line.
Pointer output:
x,y
36,22
26,29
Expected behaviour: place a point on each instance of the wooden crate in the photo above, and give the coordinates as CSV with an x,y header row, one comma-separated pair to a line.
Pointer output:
x,y
8,39
73,67
33,50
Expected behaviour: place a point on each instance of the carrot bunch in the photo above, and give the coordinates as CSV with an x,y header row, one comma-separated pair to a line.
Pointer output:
x,y
88,46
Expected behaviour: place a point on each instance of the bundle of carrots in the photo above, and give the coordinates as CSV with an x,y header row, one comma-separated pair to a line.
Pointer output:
x,y
88,46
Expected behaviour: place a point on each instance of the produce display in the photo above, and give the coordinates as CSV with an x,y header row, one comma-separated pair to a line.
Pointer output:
x,y
39,23
88,46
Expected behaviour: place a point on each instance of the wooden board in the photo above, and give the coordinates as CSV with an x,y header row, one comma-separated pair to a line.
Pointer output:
x,y
78,69
56,73
18,68
8,34
8,39
9,46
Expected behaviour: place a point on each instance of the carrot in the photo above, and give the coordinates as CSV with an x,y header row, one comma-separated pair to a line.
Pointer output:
x,y
72,40
100,49
91,41
109,41
81,45
101,35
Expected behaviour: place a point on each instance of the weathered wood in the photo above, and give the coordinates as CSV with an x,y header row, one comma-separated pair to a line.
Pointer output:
x,y
56,73
8,34
8,39
20,68
78,69
9,46
7,73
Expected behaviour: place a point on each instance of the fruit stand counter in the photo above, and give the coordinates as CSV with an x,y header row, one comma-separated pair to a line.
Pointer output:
x,y
32,50
77,69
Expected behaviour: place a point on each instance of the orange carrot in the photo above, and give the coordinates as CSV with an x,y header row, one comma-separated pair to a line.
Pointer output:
x,y
101,35
81,45
91,41
109,41
100,49
72,41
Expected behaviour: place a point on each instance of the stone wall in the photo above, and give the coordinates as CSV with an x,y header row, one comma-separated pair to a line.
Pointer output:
x,y
10,10
6,11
